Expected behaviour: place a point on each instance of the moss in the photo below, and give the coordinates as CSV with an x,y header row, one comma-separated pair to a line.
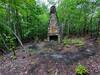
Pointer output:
x,y
33,51
1,57
33,62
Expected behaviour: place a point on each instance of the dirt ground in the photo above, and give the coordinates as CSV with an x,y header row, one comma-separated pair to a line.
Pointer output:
x,y
52,59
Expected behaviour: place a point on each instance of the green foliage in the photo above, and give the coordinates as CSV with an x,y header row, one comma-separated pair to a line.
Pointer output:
x,y
75,41
10,42
1,42
81,70
78,17
25,18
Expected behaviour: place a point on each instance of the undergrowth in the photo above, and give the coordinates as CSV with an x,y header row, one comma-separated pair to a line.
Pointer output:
x,y
81,70
76,41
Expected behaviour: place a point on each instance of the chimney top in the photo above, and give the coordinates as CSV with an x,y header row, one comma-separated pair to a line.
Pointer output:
x,y
53,10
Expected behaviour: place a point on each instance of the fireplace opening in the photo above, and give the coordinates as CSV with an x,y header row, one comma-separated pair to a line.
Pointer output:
x,y
53,37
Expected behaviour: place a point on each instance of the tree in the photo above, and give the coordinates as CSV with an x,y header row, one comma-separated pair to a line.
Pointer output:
x,y
78,16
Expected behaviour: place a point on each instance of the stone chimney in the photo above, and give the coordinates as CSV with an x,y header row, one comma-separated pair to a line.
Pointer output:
x,y
53,28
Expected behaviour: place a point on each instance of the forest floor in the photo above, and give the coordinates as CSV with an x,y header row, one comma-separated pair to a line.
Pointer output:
x,y
52,59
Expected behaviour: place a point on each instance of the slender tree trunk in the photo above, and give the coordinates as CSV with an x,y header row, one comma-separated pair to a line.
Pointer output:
x,y
91,32
97,30
18,40
18,25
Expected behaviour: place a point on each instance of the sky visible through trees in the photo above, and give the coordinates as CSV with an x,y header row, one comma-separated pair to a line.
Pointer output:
x,y
49,3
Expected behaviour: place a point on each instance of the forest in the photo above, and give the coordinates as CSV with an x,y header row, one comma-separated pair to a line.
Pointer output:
x,y
24,32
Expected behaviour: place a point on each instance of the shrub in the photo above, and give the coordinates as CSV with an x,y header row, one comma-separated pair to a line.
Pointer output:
x,y
81,70
10,42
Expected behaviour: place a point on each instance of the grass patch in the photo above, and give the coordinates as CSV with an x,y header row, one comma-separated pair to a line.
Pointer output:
x,y
34,52
75,41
